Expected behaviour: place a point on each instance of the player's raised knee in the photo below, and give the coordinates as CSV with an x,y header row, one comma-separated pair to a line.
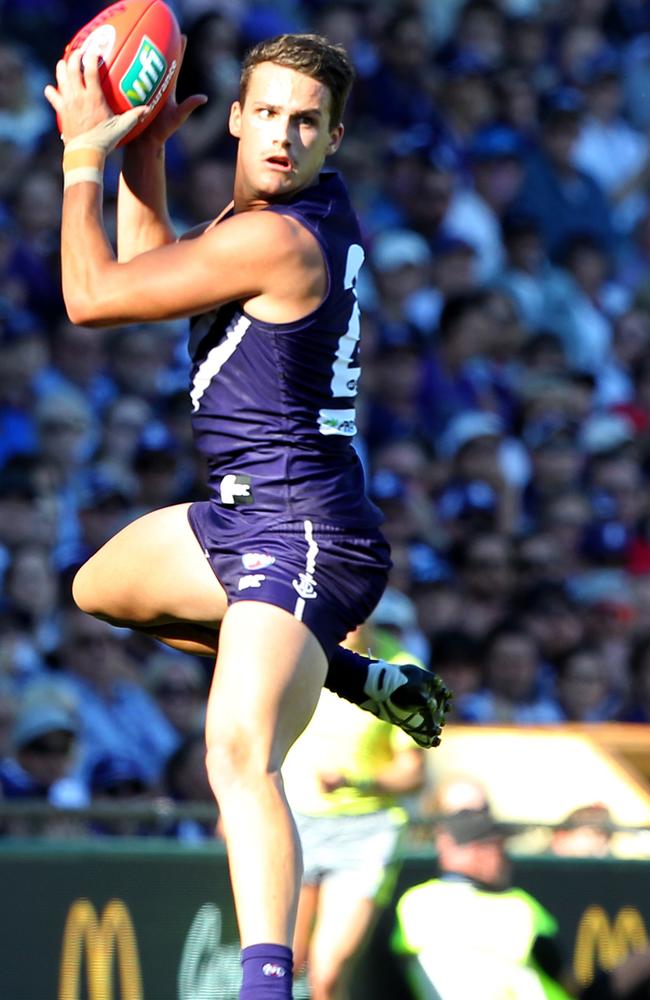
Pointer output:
x,y
90,595
83,592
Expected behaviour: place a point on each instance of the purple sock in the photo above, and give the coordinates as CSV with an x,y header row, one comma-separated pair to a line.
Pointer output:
x,y
268,972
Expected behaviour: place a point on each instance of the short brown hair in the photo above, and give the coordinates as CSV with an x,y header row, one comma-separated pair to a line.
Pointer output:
x,y
312,55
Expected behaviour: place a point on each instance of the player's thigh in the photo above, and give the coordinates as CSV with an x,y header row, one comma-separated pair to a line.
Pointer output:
x,y
343,921
152,571
268,677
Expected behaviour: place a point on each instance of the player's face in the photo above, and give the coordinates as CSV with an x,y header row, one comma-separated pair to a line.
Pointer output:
x,y
284,133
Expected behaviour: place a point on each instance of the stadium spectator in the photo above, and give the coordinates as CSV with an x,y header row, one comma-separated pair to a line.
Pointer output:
x,y
466,932
437,599
124,423
456,792
609,148
178,685
561,199
118,780
457,659
475,212
393,408
584,689
485,572
549,614
42,763
139,360
23,118
556,459
399,93
564,517
517,97
469,932
585,833
116,713
478,489
450,385
614,380
539,559
77,360
512,690
36,206
592,301
467,105
535,284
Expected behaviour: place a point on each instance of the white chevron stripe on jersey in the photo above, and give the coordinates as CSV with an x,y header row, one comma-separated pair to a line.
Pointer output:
x,y
217,357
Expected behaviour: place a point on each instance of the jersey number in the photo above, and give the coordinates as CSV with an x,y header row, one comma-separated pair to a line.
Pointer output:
x,y
345,375
345,370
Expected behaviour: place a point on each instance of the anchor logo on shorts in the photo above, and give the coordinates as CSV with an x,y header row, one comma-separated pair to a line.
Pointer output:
x,y
305,586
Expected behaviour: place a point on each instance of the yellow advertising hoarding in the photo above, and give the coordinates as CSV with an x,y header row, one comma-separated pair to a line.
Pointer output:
x,y
101,940
601,943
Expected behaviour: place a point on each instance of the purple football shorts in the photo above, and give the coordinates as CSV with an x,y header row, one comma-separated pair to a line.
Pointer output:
x,y
324,576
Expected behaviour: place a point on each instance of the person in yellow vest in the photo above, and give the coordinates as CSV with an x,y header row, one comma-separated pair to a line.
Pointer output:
x,y
467,933
346,779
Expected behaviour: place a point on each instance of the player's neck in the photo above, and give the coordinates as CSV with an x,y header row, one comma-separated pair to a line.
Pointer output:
x,y
246,199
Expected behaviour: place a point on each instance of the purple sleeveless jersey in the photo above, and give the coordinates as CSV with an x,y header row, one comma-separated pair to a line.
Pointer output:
x,y
273,404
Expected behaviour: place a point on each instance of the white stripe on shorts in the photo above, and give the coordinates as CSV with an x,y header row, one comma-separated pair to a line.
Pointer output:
x,y
305,585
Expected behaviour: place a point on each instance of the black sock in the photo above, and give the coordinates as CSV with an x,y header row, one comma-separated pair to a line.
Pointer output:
x,y
347,674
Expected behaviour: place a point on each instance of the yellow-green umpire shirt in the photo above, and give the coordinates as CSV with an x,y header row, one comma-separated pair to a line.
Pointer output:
x,y
462,942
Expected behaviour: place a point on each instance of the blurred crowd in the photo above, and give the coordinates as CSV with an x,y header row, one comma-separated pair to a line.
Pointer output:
x,y
498,155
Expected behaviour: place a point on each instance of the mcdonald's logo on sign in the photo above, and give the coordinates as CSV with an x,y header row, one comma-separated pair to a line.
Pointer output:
x,y
604,944
101,939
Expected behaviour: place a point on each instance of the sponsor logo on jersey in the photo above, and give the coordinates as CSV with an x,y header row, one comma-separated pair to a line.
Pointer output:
x,y
305,586
257,560
144,74
252,580
337,422
271,969
100,43
236,489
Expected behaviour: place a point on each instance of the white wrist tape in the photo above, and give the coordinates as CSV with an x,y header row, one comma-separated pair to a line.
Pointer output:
x,y
83,156
82,164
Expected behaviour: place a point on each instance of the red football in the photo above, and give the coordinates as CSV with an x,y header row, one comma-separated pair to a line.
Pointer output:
x,y
139,42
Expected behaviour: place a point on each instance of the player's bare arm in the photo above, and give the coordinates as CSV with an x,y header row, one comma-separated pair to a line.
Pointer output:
x,y
262,259
143,221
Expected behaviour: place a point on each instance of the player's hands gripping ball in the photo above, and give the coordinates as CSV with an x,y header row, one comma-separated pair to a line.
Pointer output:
x,y
123,64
